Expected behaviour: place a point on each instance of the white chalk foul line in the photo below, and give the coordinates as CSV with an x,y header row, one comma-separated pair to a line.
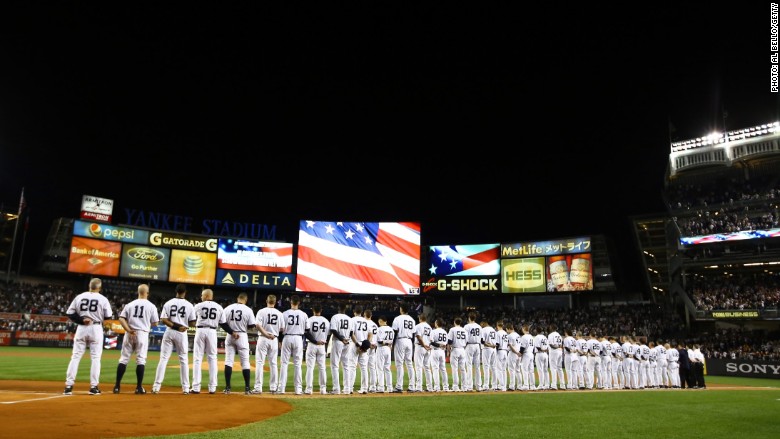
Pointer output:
x,y
36,399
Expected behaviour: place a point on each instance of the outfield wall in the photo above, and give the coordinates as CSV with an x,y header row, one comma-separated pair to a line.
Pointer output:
x,y
743,368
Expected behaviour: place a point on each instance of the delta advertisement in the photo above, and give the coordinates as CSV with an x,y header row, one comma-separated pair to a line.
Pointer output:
x,y
255,264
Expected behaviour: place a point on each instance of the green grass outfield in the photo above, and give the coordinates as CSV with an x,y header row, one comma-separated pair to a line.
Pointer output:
x,y
616,414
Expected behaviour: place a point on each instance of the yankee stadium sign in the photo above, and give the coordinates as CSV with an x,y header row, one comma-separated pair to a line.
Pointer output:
x,y
188,224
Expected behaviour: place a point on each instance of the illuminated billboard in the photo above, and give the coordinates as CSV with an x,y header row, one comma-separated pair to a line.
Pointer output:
x,y
462,268
376,258
93,256
194,267
144,262
523,275
108,232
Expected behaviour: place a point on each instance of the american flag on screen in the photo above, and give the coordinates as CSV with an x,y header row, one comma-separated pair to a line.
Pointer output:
x,y
358,258
465,260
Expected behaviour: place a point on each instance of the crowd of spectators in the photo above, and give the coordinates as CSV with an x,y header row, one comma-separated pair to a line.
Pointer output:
x,y
736,291
725,205
740,344
637,320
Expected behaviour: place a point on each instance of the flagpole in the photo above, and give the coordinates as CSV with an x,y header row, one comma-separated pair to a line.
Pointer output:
x,y
13,242
21,250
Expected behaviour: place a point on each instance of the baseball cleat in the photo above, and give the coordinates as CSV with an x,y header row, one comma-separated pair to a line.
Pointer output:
x,y
155,391
140,391
94,391
211,392
68,390
256,392
195,392
185,392
226,391
116,389
247,390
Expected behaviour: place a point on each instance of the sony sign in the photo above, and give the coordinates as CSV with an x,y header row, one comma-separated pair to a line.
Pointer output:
x,y
742,368
752,368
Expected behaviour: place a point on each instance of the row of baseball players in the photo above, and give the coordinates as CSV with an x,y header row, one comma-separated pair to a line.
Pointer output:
x,y
481,357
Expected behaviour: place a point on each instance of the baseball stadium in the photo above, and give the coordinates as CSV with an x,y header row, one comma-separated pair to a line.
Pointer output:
x,y
328,336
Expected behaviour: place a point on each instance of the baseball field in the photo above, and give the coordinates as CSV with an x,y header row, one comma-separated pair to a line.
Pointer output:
x,y
31,404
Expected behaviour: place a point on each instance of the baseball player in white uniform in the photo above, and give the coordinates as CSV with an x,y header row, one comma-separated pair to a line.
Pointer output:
x,y
662,371
270,323
606,364
340,333
488,358
403,325
384,340
208,314
456,340
542,359
89,309
502,342
356,356
643,355
527,359
630,367
438,343
582,351
593,372
178,314
371,354
513,358
137,319
236,320
295,322
571,360
555,358
422,354
617,363
672,358
652,369
473,379
317,332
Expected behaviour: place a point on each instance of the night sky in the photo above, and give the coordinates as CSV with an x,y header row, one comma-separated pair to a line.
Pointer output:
x,y
486,124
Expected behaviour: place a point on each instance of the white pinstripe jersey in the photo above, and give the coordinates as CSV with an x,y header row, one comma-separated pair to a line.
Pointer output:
x,y
140,314
473,333
179,311
318,327
208,313
360,328
423,329
502,339
457,337
238,316
340,323
385,336
271,320
403,325
91,304
294,322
